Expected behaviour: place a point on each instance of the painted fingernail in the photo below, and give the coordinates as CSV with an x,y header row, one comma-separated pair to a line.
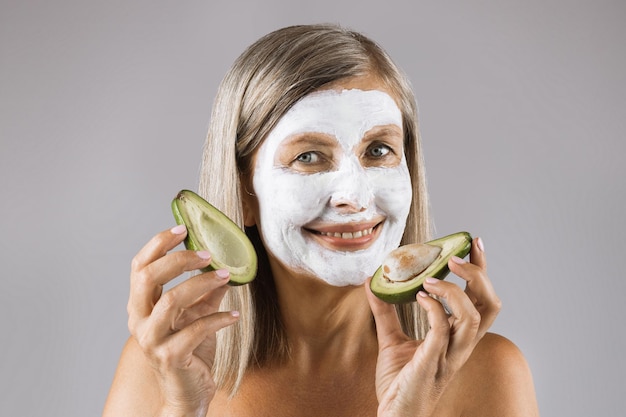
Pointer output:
x,y
422,294
457,260
178,230
222,273
431,280
234,313
202,254
481,245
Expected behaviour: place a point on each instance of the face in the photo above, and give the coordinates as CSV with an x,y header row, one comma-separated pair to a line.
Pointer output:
x,y
333,186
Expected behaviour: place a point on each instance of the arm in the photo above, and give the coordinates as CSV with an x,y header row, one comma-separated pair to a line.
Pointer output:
x,y
134,390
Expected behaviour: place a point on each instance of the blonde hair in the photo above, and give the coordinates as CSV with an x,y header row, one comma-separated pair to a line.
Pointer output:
x,y
263,83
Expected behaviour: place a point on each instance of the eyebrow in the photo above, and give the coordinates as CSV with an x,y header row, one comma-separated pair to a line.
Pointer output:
x,y
387,130
310,138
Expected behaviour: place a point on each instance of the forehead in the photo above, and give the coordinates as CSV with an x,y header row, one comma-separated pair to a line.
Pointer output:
x,y
344,114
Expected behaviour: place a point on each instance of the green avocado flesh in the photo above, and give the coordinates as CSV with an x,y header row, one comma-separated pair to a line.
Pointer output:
x,y
404,270
211,230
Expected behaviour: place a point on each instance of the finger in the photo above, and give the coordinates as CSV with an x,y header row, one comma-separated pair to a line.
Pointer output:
x,y
479,287
173,264
388,328
477,254
458,305
205,305
158,246
465,318
476,279
179,347
170,307
478,260
436,341
147,283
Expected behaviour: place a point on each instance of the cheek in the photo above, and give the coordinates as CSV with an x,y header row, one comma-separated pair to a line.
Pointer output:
x,y
291,198
392,190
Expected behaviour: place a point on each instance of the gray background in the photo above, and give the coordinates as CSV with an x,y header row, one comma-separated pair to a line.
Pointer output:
x,y
104,107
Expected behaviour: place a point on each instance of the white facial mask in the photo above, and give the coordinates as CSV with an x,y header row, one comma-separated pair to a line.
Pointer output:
x,y
289,200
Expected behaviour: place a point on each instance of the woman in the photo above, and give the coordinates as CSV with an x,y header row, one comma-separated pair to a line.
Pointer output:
x,y
314,148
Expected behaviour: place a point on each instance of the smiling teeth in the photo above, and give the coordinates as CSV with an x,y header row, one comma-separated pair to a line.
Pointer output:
x,y
349,235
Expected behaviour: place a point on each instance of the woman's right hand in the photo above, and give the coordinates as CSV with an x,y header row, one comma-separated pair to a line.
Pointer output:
x,y
176,329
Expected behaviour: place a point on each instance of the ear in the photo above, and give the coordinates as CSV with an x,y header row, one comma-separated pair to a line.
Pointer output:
x,y
249,206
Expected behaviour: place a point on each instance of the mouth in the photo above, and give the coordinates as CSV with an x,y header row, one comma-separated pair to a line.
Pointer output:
x,y
347,237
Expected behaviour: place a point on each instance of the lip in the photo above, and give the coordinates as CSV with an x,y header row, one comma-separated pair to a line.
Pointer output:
x,y
346,237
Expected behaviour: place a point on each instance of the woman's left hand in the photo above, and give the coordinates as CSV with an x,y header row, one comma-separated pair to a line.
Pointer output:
x,y
411,375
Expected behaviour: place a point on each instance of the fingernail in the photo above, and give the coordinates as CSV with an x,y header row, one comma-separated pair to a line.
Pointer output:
x,y
202,254
431,280
234,313
222,273
481,245
422,294
178,230
457,260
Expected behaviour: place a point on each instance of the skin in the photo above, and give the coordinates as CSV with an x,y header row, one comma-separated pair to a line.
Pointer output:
x,y
330,148
341,364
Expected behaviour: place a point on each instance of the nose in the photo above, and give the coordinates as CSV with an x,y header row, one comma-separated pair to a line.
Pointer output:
x,y
352,192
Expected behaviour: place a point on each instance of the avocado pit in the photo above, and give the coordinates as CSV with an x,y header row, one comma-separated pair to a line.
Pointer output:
x,y
407,262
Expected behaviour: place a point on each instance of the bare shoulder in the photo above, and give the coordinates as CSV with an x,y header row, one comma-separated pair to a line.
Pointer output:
x,y
498,351
220,405
496,380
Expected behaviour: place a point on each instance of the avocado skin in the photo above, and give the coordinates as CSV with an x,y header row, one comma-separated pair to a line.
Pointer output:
x,y
407,294
190,244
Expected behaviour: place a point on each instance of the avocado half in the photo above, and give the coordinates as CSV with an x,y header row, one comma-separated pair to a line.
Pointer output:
x,y
211,230
404,270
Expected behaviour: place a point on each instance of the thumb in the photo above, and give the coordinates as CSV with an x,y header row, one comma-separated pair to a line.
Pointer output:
x,y
388,328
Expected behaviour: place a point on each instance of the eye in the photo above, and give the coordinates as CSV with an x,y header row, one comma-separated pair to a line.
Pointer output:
x,y
308,158
311,162
381,154
379,151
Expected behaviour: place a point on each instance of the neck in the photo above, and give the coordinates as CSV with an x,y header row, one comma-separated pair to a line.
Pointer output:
x,y
326,326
